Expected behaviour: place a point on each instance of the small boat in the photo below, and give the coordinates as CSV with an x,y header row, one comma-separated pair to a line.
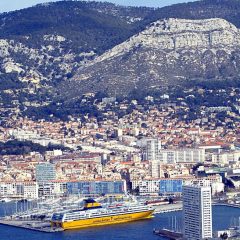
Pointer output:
x,y
5,200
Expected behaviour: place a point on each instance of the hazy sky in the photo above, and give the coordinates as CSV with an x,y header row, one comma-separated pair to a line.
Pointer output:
x,y
10,5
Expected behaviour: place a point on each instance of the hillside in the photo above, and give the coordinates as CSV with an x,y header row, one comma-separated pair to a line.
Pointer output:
x,y
168,52
47,50
44,45
205,9
46,33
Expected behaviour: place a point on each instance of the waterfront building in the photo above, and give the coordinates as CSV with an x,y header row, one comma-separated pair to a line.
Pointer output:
x,y
170,186
147,187
45,172
197,212
8,189
97,187
52,188
19,189
30,190
204,181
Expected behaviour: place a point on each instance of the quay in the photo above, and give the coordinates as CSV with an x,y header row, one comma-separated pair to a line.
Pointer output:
x,y
168,234
40,226
44,226
234,205
168,208
179,206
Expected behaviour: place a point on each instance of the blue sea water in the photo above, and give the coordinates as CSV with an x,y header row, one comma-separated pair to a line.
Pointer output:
x,y
223,217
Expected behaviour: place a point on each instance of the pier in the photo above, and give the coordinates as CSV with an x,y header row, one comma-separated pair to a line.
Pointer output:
x,y
44,225
168,208
40,226
178,207
234,205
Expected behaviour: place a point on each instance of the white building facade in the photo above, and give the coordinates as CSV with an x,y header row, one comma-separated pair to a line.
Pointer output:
x,y
153,147
155,167
186,155
197,212
30,190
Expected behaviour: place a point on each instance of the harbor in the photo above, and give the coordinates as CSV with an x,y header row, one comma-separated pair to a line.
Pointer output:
x,y
38,219
36,216
223,216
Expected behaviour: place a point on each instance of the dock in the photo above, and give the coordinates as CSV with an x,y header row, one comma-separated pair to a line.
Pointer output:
x,y
40,226
45,227
168,234
168,208
226,204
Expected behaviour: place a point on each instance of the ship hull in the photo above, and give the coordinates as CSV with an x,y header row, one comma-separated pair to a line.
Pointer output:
x,y
101,221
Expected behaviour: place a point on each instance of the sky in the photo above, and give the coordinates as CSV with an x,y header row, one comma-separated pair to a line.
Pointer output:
x,y
11,5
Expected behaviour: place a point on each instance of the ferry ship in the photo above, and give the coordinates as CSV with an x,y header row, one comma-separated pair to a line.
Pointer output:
x,y
93,214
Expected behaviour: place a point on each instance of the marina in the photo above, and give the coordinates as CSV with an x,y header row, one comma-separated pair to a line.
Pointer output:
x,y
39,218
36,216
222,219
26,221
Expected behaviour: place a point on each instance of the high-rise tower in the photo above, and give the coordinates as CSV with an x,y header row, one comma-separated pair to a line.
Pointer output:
x,y
197,212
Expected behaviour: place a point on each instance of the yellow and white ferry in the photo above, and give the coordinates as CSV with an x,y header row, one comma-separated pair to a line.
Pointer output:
x,y
93,214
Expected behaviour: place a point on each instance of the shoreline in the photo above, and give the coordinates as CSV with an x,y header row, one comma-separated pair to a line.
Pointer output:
x,y
44,227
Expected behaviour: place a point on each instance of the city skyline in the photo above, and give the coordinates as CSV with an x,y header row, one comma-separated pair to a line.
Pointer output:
x,y
6,6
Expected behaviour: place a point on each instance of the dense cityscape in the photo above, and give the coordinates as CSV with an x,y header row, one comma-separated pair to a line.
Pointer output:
x,y
140,149
112,114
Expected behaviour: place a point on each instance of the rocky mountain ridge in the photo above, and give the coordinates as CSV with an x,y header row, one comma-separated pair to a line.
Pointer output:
x,y
112,48
173,34
167,52
44,45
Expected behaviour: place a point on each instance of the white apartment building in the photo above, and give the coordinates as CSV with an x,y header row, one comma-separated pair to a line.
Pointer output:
x,y
186,155
153,146
30,190
225,157
197,212
204,181
19,189
152,186
8,189
53,188
155,167
147,187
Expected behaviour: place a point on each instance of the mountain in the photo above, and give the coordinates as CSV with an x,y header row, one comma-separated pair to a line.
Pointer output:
x,y
205,9
47,50
44,45
168,52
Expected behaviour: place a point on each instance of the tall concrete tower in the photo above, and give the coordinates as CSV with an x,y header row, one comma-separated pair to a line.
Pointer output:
x,y
197,212
153,146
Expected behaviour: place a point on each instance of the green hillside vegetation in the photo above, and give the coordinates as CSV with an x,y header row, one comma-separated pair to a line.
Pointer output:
x,y
226,9
88,26
15,147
